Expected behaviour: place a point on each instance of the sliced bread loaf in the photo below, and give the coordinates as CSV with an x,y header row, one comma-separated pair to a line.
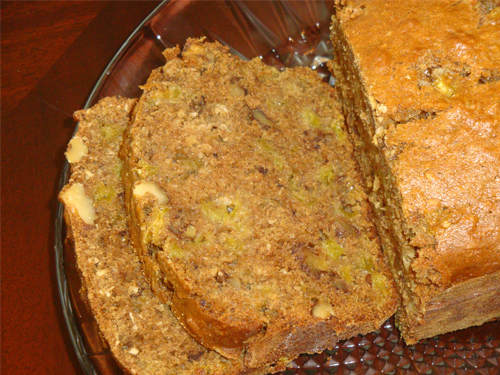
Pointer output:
x,y
422,98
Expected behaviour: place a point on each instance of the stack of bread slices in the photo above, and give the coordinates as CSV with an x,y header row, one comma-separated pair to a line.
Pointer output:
x,y
220,222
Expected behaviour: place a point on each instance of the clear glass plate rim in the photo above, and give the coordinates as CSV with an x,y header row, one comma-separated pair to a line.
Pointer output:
x,y
61,277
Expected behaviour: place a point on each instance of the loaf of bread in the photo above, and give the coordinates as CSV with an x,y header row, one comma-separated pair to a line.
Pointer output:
x,y
242,188
143,335
420,85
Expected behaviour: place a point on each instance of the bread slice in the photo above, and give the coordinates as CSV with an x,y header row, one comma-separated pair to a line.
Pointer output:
x,y
420,83
243,189
142,333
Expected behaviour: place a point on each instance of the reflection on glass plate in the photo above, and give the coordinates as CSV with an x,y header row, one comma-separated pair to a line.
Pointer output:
x,y
283,34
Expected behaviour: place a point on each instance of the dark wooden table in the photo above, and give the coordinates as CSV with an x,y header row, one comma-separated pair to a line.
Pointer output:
x,y
52,53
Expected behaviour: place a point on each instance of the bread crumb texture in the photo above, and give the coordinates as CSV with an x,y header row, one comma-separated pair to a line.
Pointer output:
x,y
142,333
264,215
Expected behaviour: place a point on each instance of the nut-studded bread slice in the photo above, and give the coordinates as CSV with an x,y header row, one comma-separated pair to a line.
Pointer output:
x,y
142,333
243,189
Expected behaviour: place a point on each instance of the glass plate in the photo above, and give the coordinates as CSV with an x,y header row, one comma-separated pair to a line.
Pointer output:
x,y
283,34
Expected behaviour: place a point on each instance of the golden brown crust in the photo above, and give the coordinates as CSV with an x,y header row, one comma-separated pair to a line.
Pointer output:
x,y
454,188
463,305
409,41
244,187
425,120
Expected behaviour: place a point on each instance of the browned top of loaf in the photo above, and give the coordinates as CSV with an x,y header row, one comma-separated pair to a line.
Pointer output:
x,y
141,331
431,71
264,215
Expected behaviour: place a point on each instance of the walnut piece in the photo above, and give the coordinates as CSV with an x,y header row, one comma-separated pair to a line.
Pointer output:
x,y
74,197
145,187
76,150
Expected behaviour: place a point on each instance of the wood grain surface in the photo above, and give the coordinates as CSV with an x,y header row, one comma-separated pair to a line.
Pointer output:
x,y
52,53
